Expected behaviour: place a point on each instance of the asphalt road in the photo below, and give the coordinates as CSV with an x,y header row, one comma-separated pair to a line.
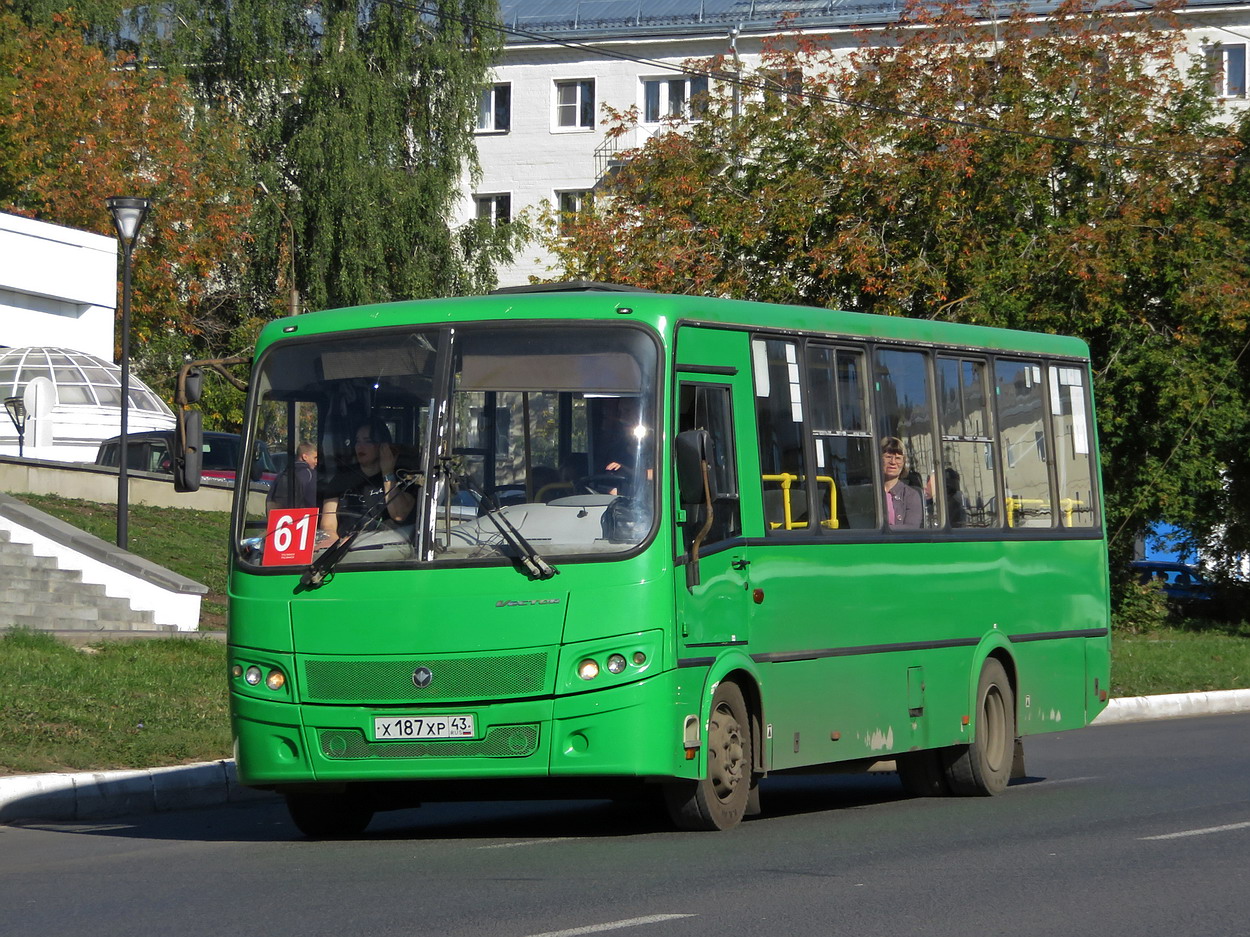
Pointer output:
x,y
1140,829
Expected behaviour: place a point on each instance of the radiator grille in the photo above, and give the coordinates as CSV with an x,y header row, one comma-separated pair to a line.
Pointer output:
x,y
454,678
499,742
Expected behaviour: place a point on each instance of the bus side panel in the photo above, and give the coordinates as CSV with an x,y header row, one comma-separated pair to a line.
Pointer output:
x,y
872,647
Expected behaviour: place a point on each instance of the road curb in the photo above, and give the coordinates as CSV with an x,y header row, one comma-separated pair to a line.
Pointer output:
x,y
1173,706
98,794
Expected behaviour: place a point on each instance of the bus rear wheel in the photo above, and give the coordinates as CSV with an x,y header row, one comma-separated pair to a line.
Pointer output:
x,y
718,801
984,767
329,816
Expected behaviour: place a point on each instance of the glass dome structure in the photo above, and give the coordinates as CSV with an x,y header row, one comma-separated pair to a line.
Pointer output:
x,y
73,401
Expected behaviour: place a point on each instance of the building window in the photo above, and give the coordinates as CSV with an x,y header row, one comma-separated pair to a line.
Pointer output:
x,y
575,105
1226,65
664,98
494,109
571,205
497,209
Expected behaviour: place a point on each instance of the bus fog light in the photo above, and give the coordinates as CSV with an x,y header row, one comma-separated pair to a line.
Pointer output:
x,y
639,658
252,675
616,663
276,680
236,670
588,669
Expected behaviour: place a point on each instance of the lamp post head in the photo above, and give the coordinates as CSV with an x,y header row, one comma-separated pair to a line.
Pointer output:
x,y
128,215
17,412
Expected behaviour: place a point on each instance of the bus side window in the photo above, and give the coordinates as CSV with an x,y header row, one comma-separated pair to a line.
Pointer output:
x,y
1069,404
905,424
967,474
779,413
1020,398
838,412
708,407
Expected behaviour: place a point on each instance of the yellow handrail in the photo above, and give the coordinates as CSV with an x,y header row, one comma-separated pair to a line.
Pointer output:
x,y
1068,506
786,480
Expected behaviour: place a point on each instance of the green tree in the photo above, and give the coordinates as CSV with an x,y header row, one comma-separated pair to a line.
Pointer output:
x,y
360,118
1069,174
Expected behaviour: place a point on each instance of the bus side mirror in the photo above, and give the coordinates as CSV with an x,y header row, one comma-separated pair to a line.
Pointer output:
x,y
192,386
189,457
692,448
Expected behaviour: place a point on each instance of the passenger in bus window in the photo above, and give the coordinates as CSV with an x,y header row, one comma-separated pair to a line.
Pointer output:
x,y
356,491
304,473
903,505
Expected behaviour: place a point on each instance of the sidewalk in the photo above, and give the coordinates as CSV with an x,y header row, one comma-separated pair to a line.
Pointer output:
x,y
92,795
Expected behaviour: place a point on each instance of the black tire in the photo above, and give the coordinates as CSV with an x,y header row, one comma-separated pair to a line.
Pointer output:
x,y
984,767
329,816
718,801
923,773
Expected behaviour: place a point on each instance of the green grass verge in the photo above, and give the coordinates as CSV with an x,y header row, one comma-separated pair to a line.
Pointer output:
x,y
191,543
136,704
1193,657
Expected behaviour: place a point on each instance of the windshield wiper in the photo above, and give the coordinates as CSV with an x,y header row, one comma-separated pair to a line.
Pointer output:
x,y
323,565
530,558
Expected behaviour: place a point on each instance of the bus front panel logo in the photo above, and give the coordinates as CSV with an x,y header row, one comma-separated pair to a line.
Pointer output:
x,y
422,677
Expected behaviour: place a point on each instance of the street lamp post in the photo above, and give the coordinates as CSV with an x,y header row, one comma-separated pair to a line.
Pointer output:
x,y
17,413
128,215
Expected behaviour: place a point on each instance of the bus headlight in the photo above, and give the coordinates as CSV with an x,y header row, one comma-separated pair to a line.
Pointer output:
x,y
252,675
276,680
616,663
588,669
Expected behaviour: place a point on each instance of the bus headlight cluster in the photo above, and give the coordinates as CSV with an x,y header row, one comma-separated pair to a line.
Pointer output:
x,y
615,663
254,675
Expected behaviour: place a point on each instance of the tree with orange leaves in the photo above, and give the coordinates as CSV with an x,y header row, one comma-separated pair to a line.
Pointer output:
x,y
79,125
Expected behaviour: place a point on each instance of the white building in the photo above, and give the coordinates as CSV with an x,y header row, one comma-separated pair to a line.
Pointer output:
x,y
58,289
541,136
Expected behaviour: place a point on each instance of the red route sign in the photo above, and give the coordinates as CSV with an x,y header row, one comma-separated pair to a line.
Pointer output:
x,y
290,537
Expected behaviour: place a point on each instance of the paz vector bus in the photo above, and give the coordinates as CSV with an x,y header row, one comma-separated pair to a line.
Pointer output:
x,y
584,540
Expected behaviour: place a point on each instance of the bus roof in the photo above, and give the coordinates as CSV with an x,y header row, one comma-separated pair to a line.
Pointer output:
x,y
663,312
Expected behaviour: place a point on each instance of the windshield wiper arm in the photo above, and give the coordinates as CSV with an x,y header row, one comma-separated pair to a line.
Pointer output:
x,y
323,565
530,558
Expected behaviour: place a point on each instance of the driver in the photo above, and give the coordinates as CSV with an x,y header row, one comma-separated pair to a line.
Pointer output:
x,y
357,490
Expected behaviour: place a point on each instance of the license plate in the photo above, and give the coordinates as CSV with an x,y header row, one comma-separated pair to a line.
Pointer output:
x,y
395,728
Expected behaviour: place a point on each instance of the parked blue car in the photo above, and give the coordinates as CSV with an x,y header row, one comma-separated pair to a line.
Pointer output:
x,y
1179,581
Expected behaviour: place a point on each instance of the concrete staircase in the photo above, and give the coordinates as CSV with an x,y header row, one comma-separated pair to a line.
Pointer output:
x,y
35,593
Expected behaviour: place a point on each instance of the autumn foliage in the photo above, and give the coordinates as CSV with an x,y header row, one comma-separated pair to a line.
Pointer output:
x,y
80,125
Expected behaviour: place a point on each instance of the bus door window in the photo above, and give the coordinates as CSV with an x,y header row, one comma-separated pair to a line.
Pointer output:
x,y
845,453
1069,402
905,438
1020,397
779,414
708,407
967,474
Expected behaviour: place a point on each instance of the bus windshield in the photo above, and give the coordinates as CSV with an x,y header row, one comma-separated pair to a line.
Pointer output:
x,y
465,445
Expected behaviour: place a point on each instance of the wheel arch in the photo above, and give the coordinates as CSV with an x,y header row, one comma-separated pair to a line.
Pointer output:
x,y
994,646
742,671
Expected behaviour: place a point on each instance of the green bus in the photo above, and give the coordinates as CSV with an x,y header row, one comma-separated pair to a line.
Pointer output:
x,y
583,540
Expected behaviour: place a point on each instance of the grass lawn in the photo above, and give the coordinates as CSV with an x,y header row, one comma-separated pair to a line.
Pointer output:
x,y
1194,656
120,704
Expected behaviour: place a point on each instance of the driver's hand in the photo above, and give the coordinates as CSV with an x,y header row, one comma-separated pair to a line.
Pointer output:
x,y
613,466
386,456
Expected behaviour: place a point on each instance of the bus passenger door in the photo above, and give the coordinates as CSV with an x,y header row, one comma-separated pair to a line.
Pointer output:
x,y
713,597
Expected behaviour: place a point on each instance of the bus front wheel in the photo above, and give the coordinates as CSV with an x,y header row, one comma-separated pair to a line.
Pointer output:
x,y
329,816
718,800
984,767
